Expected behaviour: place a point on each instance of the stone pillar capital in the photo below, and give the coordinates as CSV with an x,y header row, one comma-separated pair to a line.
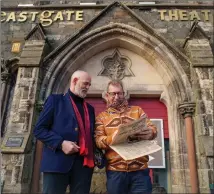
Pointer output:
x,y
5,76
187,109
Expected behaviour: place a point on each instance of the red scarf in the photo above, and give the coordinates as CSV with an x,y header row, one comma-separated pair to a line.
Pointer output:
x,y
85,140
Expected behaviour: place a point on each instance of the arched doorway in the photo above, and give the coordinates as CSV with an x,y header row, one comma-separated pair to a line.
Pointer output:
x,y
167,63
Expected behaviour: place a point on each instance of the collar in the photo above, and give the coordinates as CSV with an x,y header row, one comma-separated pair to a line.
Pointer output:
x,y
115,111
75,97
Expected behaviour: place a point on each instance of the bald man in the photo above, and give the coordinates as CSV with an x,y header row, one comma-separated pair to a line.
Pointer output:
x,y
65,127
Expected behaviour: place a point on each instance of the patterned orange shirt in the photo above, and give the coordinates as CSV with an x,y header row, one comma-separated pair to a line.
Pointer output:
x,y
107,123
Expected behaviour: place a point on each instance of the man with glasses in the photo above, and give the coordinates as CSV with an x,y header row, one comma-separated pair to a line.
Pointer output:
x,y
123,177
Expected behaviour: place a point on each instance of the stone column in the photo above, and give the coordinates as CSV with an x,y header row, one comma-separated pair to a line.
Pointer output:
x,y
8,72
5,78
187,110
18,155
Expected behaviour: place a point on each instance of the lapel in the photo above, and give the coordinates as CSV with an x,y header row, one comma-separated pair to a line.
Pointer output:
x,y
71,111
69,105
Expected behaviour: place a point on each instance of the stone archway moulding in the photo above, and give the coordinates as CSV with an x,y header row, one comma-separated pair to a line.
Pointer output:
x,y
168,64
118,35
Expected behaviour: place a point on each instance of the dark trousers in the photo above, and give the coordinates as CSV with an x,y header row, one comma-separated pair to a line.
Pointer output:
x,y
78,179
137,182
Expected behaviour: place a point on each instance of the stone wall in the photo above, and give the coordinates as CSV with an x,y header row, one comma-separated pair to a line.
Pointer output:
x,y
200,77
76,2
59,31
202,74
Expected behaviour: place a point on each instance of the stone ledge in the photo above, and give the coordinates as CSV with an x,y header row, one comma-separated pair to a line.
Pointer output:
x,y
29,61
202,65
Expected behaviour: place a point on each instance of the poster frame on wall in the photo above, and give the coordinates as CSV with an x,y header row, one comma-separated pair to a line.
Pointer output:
x,y
162,151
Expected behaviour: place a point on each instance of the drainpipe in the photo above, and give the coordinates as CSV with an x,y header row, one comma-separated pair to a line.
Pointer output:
x,y
186,110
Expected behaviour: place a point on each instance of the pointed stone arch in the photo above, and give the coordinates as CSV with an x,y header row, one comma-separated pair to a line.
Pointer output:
x,y
172,66
173,69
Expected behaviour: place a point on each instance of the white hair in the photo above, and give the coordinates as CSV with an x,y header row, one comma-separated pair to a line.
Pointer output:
x,y
78,74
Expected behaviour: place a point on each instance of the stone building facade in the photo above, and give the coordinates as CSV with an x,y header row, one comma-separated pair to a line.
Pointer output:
x,y
162,50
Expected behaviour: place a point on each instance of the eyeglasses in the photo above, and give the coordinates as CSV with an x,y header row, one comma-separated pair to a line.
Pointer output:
x,y
113,94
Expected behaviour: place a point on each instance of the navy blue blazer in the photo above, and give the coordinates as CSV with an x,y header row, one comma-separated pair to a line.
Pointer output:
x,y
57,122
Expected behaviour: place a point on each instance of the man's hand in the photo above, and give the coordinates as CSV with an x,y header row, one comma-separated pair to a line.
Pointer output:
x,y
69,147
144,135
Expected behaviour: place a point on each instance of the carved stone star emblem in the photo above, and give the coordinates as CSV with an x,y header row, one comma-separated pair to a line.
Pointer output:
x,y
116,66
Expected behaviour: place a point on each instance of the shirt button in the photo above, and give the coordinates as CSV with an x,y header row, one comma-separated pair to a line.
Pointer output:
x,y
76,129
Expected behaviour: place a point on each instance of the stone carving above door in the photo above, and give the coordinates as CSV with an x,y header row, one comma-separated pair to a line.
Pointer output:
x,y
116,66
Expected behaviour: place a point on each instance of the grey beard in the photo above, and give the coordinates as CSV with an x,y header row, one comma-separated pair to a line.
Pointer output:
x,y
82,95
79,92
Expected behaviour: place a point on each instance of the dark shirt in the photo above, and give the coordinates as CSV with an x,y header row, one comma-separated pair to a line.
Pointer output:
x,y
79,103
